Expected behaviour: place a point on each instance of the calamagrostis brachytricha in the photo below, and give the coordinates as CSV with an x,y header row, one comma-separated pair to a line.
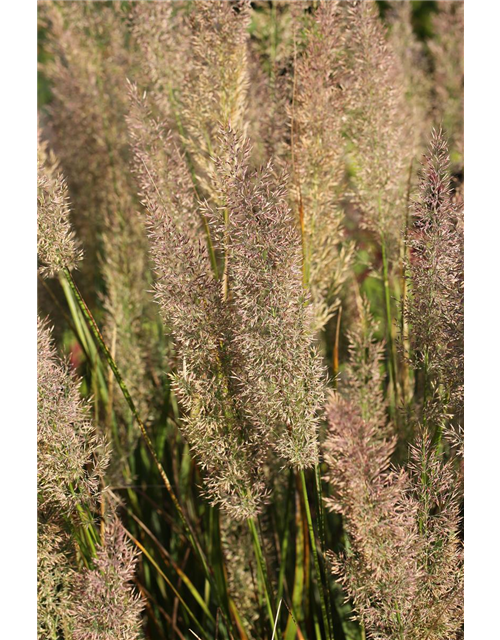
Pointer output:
x,y
403,560
435,309
104,604
318,160
90,62
57,246
377,117
248,375
97,602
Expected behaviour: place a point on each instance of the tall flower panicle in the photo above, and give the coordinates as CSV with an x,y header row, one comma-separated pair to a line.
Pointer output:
x,y
105,606
234,334
318,159
91,60
435,311
66,439
278,369
56,243
161,31
362,381
434,487
55,571
402,565
242,571
97,603
417,76
87,68
195,60
377,569
161,168
191,304
70,462
216,83
270,70
376,118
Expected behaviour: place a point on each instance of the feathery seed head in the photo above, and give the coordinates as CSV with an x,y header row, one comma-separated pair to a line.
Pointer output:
x,y
318,160
56,243
435,311
447,50
71,457
403,564
105,606
91,59
279,372
376,123
234,336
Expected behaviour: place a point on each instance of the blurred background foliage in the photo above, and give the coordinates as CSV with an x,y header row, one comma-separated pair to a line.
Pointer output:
x,y
422,11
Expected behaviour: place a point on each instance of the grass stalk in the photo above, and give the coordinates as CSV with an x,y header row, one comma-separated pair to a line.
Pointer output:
x,y
261,562
390,341
322,538
165,577
285,541
299,577
335,358
403,327
317,569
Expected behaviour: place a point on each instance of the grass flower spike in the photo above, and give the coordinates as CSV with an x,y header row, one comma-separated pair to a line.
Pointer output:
x,y
376,123
403,564
436,308
106,606
318,160
240,398
57,246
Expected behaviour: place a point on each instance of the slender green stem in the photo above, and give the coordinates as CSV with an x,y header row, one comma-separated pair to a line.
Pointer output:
x,y
285,537
263,571
363,632
121,383
86,519
274,43
299,577
225,274
322,538
390,341
165,577
276,621
84,337
317,569
403,327
68,320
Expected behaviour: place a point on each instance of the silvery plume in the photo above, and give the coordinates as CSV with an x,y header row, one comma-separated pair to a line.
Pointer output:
x,y
90,61
70,462
98,602
318,159
248,375
104,603
195,61
376,123
57,246
402,565
447,54
435,309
